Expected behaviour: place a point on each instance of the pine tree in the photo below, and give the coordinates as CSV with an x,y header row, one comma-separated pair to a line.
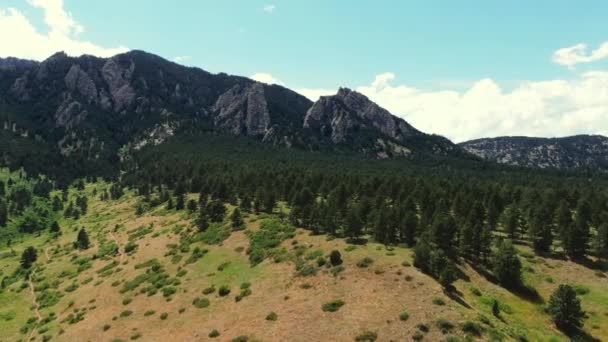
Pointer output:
x,y
506,264
55,228
422,255
600,242
28,257
82,240
409,228
192,206
353,226
236,220
180,202
3,213
495,308
565,308
202,221
511,221
216,211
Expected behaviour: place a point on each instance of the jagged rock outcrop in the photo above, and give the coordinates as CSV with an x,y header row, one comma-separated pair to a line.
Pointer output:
x,y
348,111
575,152
125,101
243,110
118,78
77,80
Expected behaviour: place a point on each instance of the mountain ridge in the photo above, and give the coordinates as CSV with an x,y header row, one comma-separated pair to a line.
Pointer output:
x,y
571,152
95,106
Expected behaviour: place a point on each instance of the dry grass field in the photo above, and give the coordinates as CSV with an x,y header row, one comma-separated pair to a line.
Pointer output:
x,y
152,278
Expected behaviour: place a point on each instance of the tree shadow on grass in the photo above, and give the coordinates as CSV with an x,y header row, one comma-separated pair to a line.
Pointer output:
x,y
523,291
357,241
576,334
596,265
456,296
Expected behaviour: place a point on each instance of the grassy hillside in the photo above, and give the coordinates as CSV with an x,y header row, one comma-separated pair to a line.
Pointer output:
x,y
154,277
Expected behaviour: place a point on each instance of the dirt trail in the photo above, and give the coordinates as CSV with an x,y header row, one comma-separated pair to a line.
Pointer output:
x,y
35,301
46,254
120,254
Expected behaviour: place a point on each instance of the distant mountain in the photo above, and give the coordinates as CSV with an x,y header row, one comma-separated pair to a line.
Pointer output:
x,y
569,153
92,108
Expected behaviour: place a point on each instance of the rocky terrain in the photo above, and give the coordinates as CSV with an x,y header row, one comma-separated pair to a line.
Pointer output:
x,y
576,152
93,107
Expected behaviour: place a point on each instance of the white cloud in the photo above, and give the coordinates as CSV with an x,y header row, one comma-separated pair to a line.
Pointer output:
x,y
540,108
21,39
269,8
181,59
484,109
314,94
266,78
570,56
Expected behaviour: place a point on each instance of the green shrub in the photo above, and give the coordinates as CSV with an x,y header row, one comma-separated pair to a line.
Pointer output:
x,y
241,338
333,306
472,328
126,313
404,316
438,301
214,333
425,328
350,248
209,290
201,302
164,316
135,335
106,327
365,262
337,270
444,325
367,336
245,285
476,291
149,313
127,300
224,290
272,316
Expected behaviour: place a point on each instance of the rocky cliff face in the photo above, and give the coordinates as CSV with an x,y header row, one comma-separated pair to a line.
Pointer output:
x,y
350,117
107,104
243,110
576,152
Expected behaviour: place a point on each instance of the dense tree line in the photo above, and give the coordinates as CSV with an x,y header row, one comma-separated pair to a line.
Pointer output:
x,y
455,209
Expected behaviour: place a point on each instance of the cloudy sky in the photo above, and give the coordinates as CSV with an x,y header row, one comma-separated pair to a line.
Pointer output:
x,y
462,69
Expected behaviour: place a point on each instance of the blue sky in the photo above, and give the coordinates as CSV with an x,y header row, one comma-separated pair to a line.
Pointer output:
x,y
431,46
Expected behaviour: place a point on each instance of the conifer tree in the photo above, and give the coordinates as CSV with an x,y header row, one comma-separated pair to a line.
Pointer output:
x,y
28,257
236,220
82,240
506,264
565,308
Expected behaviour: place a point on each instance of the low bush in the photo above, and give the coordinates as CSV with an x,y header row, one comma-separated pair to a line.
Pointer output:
x,y
472,328
444,325
404,316
272,316
224,290
333,306
126,313
438,301
214,333
201,302
365,262
367,336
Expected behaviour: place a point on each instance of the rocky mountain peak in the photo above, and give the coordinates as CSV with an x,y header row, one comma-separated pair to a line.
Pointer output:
x,y
575,152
